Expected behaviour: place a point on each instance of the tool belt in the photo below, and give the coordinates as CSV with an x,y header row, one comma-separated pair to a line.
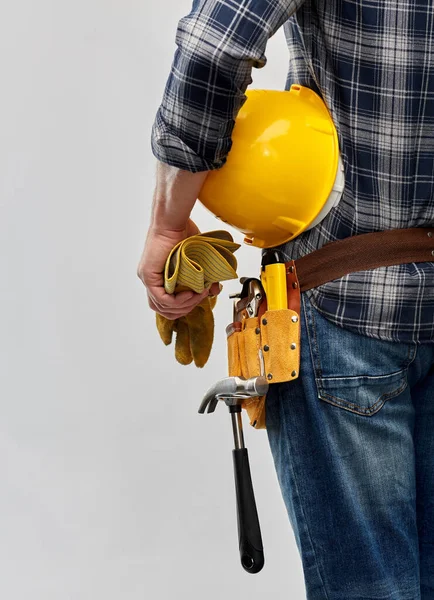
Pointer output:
x,y
269,343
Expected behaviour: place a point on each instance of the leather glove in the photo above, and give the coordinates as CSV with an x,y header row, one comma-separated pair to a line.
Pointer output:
x,y
194,264
194,333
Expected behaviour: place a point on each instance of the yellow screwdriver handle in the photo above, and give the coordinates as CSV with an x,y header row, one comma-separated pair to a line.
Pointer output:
x,y
273,280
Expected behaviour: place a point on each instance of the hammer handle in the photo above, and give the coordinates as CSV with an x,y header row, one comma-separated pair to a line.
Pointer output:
x,y
249,531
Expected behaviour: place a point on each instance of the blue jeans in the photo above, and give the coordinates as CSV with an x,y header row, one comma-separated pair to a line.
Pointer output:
x,y
353,444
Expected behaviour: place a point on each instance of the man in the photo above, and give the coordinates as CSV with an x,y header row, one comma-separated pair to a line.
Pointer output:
x,y
353,437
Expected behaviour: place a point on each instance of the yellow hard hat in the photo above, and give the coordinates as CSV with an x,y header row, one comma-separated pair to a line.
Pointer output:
x,y
283,173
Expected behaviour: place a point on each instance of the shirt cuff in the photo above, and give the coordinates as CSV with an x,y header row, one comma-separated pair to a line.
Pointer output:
x,y
169,148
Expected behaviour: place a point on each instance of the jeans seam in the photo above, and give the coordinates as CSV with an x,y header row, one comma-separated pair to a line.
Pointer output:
x,y
312,340
370,377
290,453
411,360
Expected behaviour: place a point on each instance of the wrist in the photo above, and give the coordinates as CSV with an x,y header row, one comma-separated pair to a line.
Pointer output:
x,y
163,231
166,221
173,234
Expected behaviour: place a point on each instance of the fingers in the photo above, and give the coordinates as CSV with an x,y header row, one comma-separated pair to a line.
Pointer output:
x,y
172,307
215,289
174,302
175,306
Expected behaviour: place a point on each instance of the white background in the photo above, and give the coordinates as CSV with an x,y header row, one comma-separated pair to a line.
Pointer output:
x,y
112,486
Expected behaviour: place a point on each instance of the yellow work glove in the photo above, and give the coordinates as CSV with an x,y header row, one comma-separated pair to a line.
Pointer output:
x,y
194,333
195,264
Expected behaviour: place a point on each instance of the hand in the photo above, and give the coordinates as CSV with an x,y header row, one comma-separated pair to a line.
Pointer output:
x,y
158,246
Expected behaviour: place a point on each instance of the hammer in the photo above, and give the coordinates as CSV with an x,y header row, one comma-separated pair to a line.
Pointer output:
x,y
233,390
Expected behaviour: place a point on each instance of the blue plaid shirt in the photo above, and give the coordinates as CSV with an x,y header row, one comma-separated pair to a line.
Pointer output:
x,y
372,62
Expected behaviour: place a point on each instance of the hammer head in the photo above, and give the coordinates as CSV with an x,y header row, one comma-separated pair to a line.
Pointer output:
x,y
233,390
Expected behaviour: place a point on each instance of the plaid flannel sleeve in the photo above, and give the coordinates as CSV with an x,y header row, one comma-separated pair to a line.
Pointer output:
x,y
218,44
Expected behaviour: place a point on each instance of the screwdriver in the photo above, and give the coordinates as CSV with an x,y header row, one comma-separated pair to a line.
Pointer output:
x,y
273,279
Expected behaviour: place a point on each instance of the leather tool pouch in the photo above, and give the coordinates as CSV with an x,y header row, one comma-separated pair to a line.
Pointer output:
x,y
268,345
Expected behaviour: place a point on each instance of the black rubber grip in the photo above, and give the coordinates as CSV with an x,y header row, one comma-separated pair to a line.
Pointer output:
x,y
249,531
271,256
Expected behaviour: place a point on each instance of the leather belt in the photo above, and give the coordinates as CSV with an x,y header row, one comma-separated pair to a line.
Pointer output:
x,y
357,253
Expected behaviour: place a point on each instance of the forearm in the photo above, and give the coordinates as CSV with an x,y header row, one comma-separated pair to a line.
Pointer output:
x,y
176,192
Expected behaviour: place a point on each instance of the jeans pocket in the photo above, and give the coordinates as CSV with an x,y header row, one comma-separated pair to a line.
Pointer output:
x,y
352,371
364,395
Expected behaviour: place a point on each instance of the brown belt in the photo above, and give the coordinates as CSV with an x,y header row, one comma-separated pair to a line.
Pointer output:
x,y
357,253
